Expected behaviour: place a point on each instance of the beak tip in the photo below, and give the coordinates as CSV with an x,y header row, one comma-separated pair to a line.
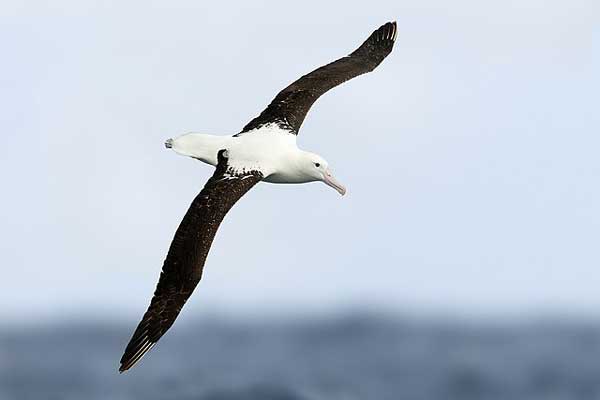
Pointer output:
x,y
331,181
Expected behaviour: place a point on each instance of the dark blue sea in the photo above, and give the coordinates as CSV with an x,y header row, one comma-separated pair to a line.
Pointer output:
x,y
343,357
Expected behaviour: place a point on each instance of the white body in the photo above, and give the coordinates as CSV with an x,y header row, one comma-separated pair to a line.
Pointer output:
x,y
269,149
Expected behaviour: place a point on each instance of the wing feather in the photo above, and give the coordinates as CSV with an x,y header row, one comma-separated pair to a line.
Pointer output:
x,y
187,254
289,108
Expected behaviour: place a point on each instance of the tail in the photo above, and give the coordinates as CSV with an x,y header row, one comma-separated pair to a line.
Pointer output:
x,y
199,146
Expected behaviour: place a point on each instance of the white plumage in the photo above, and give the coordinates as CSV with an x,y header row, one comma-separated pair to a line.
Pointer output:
x,y
269,149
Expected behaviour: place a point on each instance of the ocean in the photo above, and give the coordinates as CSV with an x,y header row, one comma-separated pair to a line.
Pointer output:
x,y
343,357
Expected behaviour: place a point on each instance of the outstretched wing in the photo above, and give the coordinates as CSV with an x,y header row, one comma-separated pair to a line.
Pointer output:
x,y
183,266
290,106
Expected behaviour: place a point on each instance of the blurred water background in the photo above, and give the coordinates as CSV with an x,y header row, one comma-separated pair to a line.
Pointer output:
x,y
344,356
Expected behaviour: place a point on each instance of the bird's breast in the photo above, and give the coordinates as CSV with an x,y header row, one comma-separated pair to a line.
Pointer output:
x,y
270,153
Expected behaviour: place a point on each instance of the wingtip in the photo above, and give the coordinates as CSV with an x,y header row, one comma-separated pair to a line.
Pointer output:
x,y
385,36
388,31
125,368
134,354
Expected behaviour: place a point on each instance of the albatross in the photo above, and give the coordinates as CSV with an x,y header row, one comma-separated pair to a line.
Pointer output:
x,y
264,150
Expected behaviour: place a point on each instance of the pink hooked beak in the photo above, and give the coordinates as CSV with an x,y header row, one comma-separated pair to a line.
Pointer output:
x,y
331,181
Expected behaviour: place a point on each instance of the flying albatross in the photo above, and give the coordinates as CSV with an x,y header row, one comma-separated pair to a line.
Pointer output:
x,y
265,150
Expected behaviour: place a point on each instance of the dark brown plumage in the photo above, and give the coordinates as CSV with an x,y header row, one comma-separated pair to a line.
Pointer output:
x,y
289,108
183,266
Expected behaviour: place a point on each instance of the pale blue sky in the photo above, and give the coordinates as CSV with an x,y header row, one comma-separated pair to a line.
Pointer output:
x,y
470,155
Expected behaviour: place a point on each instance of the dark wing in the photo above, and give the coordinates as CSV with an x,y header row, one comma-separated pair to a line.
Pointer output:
x,y
183,266
288,109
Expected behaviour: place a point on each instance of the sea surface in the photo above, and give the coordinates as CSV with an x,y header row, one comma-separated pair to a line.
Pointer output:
x,y
343,357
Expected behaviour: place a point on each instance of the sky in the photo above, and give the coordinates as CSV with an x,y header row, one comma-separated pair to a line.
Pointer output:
x,y
470,156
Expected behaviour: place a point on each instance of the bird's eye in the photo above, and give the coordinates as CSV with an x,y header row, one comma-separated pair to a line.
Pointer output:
x,y
317,165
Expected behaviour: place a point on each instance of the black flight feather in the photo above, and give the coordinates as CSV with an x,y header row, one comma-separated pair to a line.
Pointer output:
x,y
289,108
183,266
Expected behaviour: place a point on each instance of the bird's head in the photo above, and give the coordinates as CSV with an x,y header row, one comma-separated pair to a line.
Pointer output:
x,y
316,168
